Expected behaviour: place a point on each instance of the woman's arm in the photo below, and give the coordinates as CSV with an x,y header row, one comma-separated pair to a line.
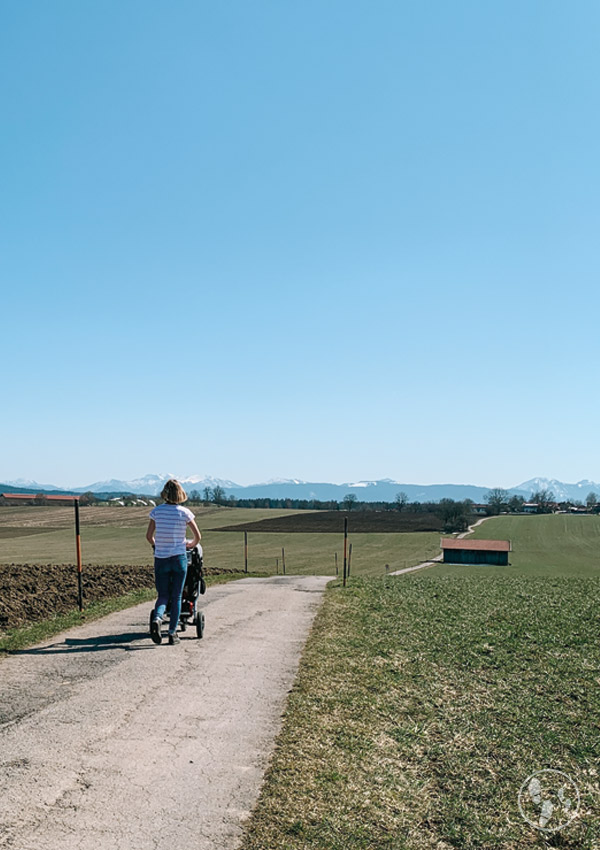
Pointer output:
x,y
150,532
196,535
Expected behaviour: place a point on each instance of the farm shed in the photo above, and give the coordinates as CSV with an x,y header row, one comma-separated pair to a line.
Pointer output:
x,y
15,499
460,551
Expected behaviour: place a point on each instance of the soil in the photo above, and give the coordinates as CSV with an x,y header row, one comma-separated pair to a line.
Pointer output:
x,y
33,592
332,522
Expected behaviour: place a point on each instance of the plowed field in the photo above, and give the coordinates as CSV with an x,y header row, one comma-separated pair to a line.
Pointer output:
x,y
33,592
332,522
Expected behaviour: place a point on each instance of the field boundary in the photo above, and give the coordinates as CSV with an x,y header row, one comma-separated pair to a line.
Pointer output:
x,y
432,563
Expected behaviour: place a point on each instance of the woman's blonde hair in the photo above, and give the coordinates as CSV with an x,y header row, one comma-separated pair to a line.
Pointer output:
x,y
173,492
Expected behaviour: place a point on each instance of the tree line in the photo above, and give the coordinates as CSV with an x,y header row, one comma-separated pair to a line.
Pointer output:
x,y
500,501
455,516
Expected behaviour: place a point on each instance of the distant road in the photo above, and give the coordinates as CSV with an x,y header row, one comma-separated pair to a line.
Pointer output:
x,y
108,742
472,528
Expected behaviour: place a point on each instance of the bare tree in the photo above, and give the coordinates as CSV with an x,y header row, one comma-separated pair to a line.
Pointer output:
x,y
401,501
545,500
218,494
497,500
349,501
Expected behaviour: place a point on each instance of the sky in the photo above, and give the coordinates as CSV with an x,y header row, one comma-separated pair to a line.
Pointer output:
x,y
332,240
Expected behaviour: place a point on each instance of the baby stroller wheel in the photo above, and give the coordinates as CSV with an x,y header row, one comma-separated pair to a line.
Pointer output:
x,y
151,618
199,624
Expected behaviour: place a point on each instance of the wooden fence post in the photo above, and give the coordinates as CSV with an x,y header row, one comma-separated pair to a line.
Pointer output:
x,y
78,548
345,549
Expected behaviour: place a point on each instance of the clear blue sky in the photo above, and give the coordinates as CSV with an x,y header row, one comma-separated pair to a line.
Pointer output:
x,y
330,240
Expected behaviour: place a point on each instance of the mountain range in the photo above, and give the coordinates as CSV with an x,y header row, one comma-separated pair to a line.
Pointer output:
x,y
384,490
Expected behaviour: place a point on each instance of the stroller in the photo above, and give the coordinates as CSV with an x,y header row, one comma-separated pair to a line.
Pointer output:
x,y
194,587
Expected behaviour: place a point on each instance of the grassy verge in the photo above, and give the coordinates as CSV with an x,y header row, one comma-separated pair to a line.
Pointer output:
x,y
421,706
20,638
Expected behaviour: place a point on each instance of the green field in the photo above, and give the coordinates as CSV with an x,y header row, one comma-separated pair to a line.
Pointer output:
x,y
117,535
423,703
552,544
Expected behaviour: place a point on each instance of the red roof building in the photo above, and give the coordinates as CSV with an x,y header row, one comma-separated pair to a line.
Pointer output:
x,y
36,498
460,551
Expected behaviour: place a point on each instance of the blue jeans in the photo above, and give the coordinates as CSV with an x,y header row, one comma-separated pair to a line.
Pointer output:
x,y
169,576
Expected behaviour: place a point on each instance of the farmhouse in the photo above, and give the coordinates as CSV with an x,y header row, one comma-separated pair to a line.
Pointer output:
x,y
457,551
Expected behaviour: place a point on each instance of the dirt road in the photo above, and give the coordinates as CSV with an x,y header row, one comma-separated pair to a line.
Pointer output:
x,y
108,741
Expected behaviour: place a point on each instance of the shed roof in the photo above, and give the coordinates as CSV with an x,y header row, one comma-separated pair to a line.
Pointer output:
x,y
35,496
476,545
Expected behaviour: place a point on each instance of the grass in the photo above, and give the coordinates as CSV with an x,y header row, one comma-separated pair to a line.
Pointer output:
x,y
421,705
117,535
315,553
32,633
547,545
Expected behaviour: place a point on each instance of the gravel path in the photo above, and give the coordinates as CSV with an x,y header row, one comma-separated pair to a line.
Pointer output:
x,y
108,741
472,528
432,563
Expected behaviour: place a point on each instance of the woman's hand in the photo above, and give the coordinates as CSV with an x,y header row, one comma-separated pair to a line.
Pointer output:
x,y
150,532
189,544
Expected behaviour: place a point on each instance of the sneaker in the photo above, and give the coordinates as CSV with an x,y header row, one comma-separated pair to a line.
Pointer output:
x,y
155,630
173,639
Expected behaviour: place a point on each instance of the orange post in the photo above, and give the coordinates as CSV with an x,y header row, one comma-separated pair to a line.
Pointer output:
x,y
78,549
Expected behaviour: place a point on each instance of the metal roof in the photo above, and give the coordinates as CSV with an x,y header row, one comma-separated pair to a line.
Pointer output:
x,y
38,495
476,545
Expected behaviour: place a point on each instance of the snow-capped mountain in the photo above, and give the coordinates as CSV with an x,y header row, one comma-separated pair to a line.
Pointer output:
x,y
28,484
384,490
562,492
282,481
151,485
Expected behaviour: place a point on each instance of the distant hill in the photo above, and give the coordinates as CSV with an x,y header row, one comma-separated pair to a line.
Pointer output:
x,y
55,491
383,490
366,491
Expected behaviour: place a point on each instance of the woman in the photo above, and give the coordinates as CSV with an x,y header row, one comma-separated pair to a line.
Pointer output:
x,y
167,533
